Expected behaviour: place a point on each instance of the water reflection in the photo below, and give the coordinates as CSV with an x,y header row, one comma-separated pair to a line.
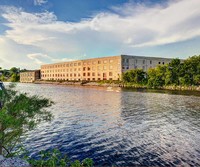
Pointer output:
x,y
121,128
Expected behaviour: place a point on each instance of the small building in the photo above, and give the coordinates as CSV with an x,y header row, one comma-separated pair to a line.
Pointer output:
x,y
29,76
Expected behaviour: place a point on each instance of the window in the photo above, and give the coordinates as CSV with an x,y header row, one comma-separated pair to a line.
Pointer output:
x,y
83,74
79,64
75,64
150,61
88,63
104,67
143,61
99,62
93,68
84,68
99,74
110,74
159,62
74,75
111,67
163,63
98,67
127,60
136,61
110,61
88,74
71,64
105,61
75,69
93,74
88,68
94,62
143,67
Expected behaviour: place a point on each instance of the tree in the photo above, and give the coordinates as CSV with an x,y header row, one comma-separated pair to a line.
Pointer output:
x,y
173,72
137,76
156,76
191,71
14,70
19,114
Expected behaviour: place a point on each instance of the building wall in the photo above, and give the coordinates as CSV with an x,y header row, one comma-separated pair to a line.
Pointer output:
x,y
29,76
106,68
90,69
140,62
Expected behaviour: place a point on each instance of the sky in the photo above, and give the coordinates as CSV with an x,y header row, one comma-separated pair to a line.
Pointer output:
x,y
36,32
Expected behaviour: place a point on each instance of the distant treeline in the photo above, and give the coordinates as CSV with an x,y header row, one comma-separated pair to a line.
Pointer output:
x,y
11,75
177,73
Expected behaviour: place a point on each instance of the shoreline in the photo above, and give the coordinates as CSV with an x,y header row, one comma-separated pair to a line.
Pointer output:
x,y
122,85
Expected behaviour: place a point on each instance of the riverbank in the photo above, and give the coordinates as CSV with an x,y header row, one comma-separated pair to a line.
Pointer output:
x,y
119,84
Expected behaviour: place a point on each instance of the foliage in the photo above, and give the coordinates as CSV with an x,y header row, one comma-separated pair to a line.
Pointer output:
x,y
19,114
55,158
11,75
137,76
176,73
156,77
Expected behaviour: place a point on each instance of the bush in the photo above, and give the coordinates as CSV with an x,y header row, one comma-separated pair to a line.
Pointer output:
x,y
55,158
19,113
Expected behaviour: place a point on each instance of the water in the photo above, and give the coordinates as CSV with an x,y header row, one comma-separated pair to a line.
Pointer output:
x,y
120,127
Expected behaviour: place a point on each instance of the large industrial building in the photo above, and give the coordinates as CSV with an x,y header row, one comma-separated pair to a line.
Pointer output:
x,y
105,68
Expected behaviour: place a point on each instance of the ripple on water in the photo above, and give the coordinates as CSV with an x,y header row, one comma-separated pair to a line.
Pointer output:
x,y
119,128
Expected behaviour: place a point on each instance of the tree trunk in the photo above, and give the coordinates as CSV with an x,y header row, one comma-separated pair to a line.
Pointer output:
x,y
1,140
1,149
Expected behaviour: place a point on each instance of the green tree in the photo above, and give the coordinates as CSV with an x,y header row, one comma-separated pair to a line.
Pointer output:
x,y
173,72
156,77
14,70
137,76
19,114
191,71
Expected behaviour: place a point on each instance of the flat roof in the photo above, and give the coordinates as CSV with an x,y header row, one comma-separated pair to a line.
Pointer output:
x,y
107,57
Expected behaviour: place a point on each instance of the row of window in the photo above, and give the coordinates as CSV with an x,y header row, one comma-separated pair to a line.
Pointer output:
x,y
78,69
76,75
136,61
27,74
78,79
143,61
78,64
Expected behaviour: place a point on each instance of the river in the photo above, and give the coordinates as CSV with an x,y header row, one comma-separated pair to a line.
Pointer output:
x,y
120,127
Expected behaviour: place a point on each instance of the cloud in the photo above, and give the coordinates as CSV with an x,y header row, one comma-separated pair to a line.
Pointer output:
x,y
40,2
41,58
134,25
124,29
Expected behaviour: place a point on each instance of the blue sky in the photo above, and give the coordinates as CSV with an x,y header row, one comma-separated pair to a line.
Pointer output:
x,y
34,32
